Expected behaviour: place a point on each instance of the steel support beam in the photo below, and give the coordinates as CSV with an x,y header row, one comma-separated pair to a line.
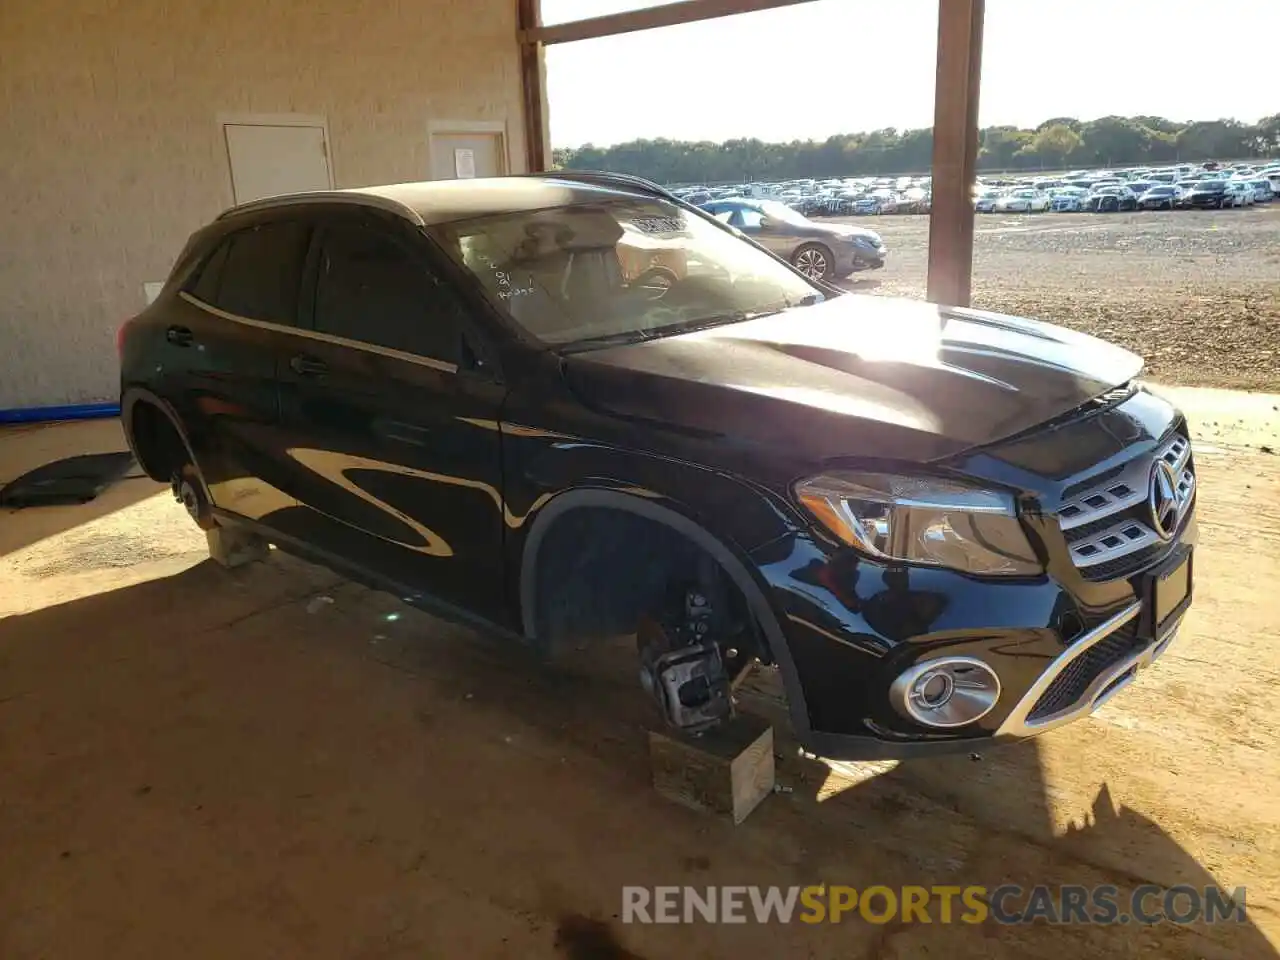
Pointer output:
x,y
955,150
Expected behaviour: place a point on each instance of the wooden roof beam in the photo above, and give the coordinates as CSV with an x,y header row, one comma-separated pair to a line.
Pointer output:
x,y
666,15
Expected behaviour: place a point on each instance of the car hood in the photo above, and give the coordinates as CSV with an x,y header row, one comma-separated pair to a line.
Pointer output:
x,y
856,375
851,232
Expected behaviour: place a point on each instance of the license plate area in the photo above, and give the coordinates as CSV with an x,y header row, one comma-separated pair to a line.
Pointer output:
x,y
1166,594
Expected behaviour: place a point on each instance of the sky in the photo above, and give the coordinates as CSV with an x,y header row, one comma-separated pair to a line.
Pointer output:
x,y
842,66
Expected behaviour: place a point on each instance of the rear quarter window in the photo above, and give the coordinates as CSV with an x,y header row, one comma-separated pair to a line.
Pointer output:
x,y
256,272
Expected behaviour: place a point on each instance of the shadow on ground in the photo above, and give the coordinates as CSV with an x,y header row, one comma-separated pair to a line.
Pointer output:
x,y
26,447
273,761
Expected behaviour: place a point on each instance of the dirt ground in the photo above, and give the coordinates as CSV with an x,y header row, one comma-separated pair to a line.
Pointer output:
x,y
1154,281
273,762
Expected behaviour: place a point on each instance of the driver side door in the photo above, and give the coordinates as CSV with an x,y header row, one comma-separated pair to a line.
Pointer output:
x,y
390,426
768,233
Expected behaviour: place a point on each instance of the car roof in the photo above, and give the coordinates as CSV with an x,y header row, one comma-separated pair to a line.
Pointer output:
x,y
442,201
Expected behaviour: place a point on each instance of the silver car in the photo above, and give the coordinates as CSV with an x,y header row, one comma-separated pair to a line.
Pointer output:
x,y
821,250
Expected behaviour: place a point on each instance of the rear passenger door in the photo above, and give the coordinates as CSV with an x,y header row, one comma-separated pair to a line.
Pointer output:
x,y
392,429
233,321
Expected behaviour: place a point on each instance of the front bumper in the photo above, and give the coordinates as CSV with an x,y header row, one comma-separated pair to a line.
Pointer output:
x,y
1062,644
857,257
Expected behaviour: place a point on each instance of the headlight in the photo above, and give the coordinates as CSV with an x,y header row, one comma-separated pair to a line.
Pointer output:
x,y
931,521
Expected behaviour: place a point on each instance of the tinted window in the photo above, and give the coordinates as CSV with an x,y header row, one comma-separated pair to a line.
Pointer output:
x,y
210,276
256,272
372,289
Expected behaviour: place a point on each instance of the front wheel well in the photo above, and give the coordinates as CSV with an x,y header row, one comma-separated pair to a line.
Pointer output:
x,y
599,569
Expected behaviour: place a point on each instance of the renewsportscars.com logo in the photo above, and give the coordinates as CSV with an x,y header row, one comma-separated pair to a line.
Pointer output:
x,y
1006,904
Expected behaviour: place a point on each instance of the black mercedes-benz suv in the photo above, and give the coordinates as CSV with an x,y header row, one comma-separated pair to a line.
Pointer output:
x,y
571,406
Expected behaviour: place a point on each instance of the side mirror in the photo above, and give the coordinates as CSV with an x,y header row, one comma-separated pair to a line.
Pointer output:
x,y
763,223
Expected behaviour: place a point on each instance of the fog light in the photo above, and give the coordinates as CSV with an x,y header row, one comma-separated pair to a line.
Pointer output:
x,y
947,692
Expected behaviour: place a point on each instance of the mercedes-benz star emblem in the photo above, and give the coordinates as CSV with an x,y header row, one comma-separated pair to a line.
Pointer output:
x,y
1166,508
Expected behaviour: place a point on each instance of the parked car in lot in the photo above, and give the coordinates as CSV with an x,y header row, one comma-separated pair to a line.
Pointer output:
x,y
946,528
985,201
1205,194
1068,199
1109,199
1161,196
824,250
886,200
867,205
1023,201
1241,192
915,200
1263,192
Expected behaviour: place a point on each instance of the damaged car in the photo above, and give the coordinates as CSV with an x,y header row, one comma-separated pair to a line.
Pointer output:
x,y
941,527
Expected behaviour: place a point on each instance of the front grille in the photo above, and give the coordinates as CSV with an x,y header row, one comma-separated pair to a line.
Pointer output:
x,y
1076,678
1106,517
1128,564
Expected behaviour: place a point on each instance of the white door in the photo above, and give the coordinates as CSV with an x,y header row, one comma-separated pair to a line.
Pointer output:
x,y
463,155
268,160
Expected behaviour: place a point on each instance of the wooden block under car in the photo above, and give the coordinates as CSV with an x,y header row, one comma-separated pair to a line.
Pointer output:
x,y
232,547
727,770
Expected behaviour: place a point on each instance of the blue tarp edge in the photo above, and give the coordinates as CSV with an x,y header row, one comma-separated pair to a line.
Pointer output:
x,y
75,411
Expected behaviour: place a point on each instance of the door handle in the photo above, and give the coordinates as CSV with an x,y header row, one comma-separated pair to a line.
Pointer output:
x,y
305,366
179,336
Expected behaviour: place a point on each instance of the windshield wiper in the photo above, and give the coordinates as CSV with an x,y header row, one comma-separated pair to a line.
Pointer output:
x,y
620,338
623,337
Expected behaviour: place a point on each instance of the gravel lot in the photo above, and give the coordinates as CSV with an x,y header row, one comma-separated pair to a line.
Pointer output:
x,y
1196,293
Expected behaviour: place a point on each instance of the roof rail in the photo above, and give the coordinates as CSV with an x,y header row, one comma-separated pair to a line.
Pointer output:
x,y
356,197
603,178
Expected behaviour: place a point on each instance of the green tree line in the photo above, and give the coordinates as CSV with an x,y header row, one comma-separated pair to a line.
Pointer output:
x,y
1055,144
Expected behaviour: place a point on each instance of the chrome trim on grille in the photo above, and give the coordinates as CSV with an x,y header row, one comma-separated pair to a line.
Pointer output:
x,y
1120,493
1017,723
1127,536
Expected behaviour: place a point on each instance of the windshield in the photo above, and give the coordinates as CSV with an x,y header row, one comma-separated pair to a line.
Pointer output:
x,y
620,270
1160,191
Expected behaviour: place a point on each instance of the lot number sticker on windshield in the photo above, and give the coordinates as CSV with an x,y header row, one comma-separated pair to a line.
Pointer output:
x,y
658,224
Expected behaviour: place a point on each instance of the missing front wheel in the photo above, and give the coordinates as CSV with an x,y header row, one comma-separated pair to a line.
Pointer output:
x,y
681,665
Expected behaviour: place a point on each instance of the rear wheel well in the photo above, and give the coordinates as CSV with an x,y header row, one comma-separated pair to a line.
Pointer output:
x,y
599,569
156,442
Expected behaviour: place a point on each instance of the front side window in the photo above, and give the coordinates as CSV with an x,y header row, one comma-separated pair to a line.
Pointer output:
x,y
255,273
630,268
747,218
783,214
373,289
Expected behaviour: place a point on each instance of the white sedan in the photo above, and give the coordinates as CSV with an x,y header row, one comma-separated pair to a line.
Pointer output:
x,y
1024,201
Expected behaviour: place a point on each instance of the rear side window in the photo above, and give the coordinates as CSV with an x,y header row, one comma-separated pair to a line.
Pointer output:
x,y
255,273
206,285
372,289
